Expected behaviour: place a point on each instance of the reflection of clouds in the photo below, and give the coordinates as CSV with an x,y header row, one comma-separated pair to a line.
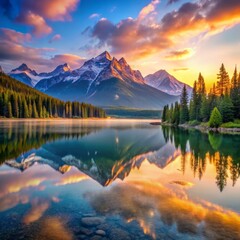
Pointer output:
x,y
8,202
71,177
16,181
147,202
37,210
53,228
182,183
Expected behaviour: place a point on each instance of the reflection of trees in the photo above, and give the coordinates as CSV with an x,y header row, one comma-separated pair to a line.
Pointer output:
x,y
15,140
221,150
221,163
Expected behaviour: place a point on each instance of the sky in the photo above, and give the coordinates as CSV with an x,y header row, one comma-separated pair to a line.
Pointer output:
x,y
183,37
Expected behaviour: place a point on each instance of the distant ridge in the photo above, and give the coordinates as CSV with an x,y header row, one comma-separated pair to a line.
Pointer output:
x,y
165,82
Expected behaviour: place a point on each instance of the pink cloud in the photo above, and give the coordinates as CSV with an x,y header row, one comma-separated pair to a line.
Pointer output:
x,y
74,61
38,23
56,37
14,36
36,13
14,52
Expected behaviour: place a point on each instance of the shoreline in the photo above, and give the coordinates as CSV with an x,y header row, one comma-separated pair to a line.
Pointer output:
x,y
206,129
73,119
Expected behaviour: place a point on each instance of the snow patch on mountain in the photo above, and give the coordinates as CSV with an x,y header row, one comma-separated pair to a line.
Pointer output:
x,y
165,82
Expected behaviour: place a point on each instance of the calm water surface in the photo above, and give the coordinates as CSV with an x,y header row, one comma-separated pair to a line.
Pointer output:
x,y
116,179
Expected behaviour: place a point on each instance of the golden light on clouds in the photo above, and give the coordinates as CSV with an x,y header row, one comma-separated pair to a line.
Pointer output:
x,y
180,54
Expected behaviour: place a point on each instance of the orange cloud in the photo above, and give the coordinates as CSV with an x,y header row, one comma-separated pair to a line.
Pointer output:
x,y
180,54
145,35
180,69
150,8
57,10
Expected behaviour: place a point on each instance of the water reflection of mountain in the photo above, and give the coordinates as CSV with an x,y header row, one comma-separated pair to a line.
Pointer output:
x,y
103,154
108,153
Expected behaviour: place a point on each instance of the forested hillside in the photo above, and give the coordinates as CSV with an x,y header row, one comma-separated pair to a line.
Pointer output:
x,y
221,104
17,100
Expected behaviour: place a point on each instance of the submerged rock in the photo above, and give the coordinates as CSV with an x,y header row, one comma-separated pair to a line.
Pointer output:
x,y
100,232
119,234
85,231
92,221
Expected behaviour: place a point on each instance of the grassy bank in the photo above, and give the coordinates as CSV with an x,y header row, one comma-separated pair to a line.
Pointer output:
x,y
229,127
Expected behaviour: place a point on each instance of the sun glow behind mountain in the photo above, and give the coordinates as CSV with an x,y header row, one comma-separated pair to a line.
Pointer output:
x,y
183,37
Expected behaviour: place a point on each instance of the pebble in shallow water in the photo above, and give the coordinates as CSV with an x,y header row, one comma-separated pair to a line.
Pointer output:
x,y
100,232
92,221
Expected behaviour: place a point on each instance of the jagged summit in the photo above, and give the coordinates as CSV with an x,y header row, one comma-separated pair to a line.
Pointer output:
x,y
103,55
59,69
123,61
24,68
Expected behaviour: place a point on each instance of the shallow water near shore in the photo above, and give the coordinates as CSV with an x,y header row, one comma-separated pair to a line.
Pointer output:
x,y
117,179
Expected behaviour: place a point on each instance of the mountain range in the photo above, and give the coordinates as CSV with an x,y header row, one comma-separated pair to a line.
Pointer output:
x,y
104,81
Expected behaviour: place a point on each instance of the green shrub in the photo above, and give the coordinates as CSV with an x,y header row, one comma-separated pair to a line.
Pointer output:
x,y
215,118
237,121
231,125
194,123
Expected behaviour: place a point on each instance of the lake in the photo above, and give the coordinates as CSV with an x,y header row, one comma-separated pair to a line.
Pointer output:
x,y
117,179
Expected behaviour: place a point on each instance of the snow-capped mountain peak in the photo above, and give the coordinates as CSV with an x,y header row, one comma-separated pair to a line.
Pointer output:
x,y
165,82
59,69
104,55
24,68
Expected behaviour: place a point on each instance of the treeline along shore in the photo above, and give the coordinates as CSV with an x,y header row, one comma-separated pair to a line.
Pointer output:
x,y
218,110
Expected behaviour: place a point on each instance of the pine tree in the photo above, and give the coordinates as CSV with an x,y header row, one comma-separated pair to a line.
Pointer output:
x,y
235,94
164,114
215,118
193,103
184,113
9,110
25,109
15,107
34,112
176,114
205,110
223,81
226,109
